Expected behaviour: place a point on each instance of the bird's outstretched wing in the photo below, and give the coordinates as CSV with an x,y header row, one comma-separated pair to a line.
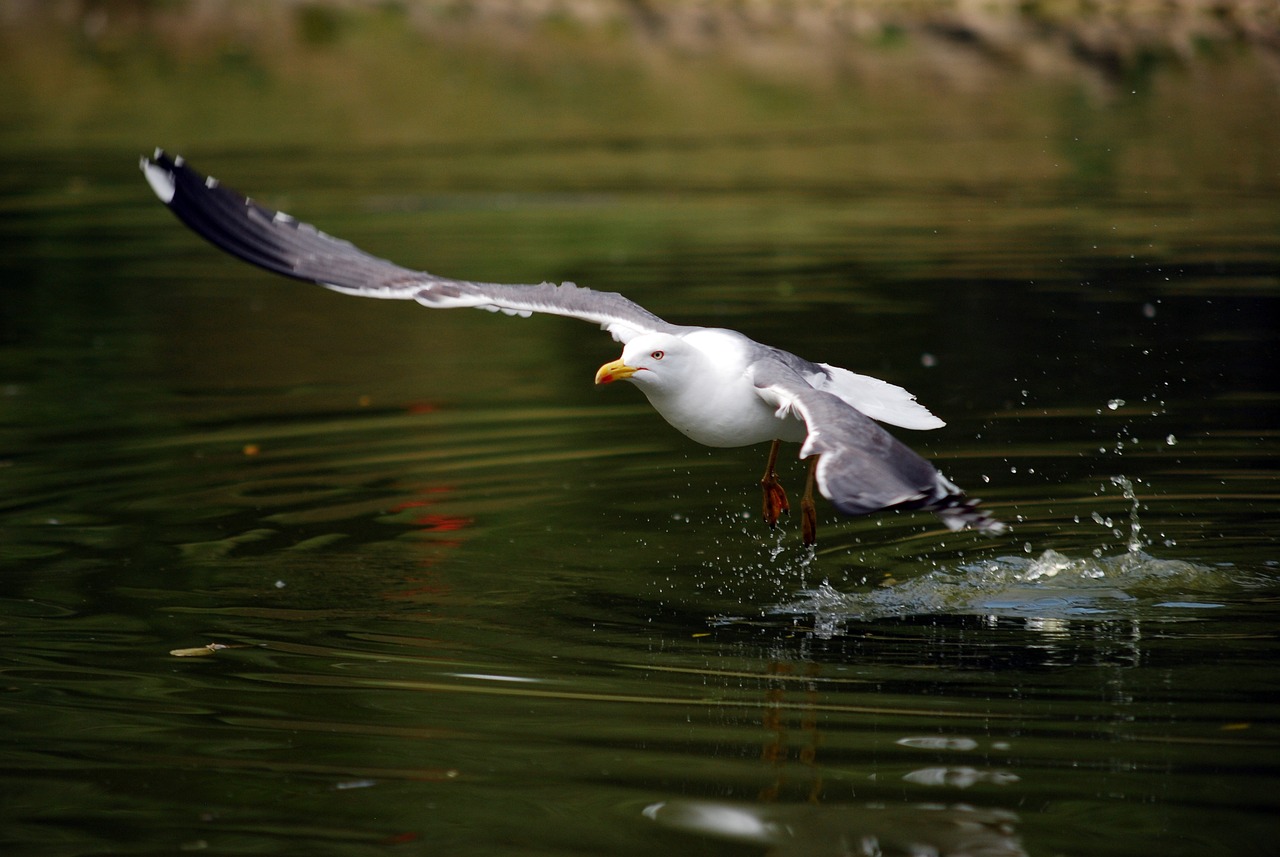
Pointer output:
x,y
863,468
279,243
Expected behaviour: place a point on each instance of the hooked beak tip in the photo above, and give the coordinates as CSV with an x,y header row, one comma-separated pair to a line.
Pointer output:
x,y
615,371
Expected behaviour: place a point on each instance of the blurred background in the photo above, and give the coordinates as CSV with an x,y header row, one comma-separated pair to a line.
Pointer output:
x,y
284,571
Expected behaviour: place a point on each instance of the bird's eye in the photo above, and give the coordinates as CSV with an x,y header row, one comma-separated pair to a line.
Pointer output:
x,y
657,355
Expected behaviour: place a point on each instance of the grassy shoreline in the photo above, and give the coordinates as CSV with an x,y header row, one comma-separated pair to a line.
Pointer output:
x,y
957,91
1107,38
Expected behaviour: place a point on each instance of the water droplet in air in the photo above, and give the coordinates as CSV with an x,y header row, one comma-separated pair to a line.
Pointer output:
x,y
1171,440
1115,404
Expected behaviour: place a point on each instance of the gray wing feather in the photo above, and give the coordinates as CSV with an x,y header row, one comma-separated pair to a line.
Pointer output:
x,y
863,468
277,242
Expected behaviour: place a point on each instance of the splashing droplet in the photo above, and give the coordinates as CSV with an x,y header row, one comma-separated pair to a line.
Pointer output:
x,y
1134,543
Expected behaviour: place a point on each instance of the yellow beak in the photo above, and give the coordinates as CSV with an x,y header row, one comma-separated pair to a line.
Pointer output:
x,y
615,371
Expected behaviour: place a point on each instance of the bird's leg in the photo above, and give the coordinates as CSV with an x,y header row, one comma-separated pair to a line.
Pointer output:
x,y
808,511
775,499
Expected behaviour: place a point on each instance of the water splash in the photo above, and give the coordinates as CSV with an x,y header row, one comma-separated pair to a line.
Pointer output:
x,y
1135,543
1049,586
1042,585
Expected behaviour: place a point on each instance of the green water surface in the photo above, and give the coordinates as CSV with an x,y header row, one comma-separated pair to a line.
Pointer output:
x,y
459,601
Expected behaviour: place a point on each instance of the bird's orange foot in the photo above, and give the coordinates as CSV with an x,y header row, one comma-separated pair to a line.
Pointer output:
x,y
808,520
775,499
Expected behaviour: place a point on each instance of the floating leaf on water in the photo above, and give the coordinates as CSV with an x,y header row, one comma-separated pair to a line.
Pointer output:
x,y
202,651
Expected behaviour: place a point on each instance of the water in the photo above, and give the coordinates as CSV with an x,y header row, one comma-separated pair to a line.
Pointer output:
x,y
290,572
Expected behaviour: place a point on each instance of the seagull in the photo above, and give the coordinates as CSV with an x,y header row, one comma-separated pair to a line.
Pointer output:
x,y
714,385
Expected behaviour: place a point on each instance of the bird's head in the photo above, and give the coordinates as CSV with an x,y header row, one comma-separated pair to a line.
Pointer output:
x,y
654,359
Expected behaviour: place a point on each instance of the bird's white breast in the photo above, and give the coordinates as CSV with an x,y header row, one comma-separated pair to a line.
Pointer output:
x,y
714,401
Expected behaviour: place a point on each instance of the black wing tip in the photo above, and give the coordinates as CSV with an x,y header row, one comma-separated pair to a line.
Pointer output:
x,y
952,507
225,218
958,512
176,183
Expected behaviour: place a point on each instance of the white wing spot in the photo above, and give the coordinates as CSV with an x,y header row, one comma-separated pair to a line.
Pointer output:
x,y
161,181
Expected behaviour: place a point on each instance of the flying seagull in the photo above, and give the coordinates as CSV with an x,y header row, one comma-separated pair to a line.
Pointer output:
x,y
713,384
